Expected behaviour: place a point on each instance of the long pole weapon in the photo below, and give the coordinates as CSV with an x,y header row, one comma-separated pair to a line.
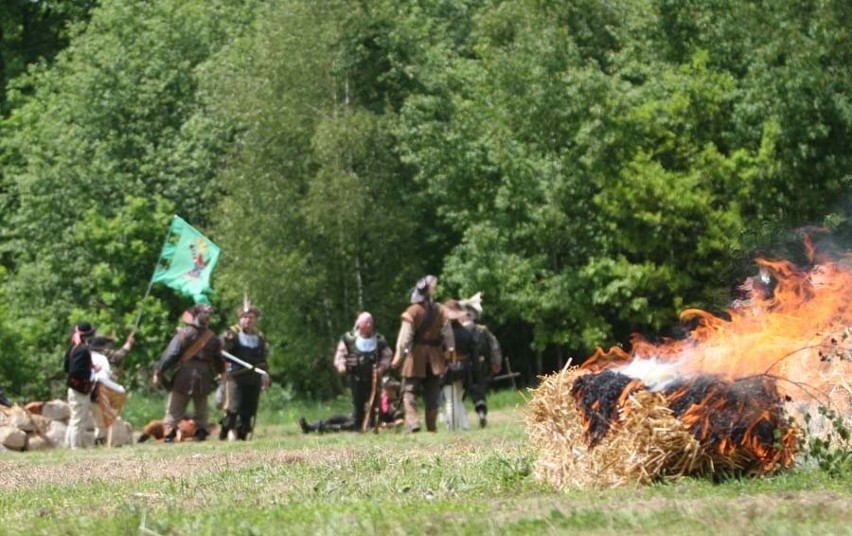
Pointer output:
x,y
368,407
234,359
453,405
452,412
150,283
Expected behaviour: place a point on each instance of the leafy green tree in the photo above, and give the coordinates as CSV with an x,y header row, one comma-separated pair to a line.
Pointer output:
x,y
112,120
34,30
612,185
791,65
797,90
11,371
317,221
500,157
592,167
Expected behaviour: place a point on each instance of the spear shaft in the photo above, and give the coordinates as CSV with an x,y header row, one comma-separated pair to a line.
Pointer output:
x,y
234,359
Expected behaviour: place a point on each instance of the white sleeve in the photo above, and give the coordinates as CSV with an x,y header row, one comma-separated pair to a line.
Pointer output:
x,y
100,366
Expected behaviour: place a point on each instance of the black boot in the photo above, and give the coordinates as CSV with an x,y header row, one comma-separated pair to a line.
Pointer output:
x,y
200,434
170,437
482,413
483,418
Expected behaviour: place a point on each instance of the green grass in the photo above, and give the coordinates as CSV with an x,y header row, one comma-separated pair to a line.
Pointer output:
x,y
475,482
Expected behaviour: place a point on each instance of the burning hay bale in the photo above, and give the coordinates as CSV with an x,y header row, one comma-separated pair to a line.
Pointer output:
x,y
741,423
605,429
642,444
734,396
599,397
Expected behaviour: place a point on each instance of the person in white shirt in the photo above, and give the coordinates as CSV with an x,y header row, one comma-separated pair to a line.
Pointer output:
x,y
102,354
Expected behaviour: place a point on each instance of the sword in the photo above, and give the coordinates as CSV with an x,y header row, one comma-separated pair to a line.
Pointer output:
x,y
234,359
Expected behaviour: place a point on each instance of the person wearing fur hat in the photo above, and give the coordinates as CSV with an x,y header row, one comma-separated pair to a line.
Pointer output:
x,y
424,344
194,356
242,386
81,382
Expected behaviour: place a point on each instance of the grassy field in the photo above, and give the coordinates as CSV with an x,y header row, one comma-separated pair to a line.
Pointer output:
x,y
475,482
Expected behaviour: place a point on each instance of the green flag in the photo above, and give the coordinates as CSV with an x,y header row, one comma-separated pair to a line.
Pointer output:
x,y
187,260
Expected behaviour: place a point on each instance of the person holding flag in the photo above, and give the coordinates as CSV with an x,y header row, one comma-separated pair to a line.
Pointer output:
x,y
192,359
194,353
187,369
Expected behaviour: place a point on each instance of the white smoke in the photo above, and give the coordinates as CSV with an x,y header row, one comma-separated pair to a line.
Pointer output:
x,y
654,373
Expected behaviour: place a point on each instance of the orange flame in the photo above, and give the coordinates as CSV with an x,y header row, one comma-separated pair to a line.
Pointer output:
x,y
728,378
800,333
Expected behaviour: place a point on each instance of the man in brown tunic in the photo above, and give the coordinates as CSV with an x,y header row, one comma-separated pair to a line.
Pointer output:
x,y
424,342
194,354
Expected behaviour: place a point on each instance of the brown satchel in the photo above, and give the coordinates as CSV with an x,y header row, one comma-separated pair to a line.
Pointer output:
x,y
166,380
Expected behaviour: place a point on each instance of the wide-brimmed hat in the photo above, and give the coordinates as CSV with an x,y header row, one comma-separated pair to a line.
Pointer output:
x,y
85,329
250,310
423,289
101,342
198,314
82,332
454,310
473,306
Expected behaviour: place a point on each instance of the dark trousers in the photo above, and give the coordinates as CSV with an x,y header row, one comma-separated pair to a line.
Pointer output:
x,y
336,423
430,386
476,386
243,401
361,384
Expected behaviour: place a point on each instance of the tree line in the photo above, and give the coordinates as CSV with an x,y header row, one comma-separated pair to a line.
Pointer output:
x,y
593,167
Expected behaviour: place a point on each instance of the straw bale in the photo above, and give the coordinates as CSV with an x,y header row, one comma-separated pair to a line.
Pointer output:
x,y
646,443
555,430
651,443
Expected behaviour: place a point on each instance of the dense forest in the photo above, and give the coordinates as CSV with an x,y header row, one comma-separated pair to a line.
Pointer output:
x,y
592,166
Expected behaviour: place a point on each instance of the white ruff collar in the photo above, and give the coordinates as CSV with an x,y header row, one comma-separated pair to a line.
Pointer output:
x,y
365,345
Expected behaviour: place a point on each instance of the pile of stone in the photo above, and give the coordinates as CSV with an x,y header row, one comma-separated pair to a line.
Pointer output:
x,y
42,425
